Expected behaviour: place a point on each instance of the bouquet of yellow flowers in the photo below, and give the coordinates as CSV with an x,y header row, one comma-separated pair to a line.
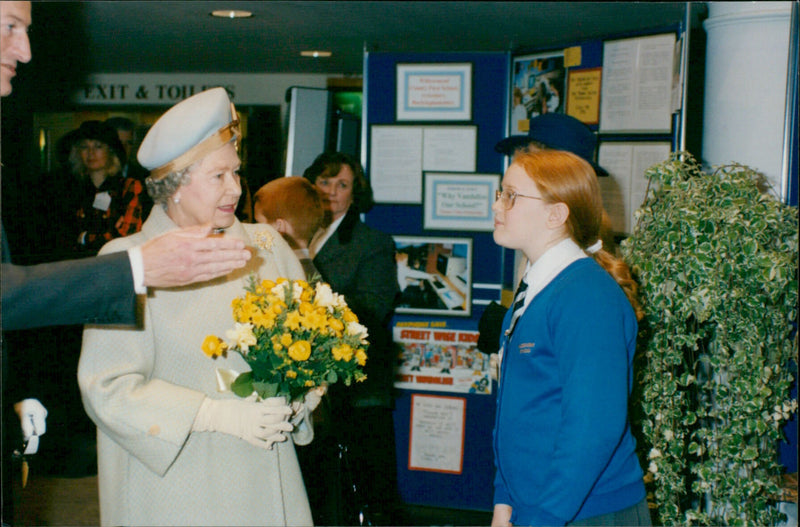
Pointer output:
x,y
295,337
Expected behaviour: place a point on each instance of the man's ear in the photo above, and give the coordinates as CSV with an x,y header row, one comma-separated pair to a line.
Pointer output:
x,y
557,215
282,226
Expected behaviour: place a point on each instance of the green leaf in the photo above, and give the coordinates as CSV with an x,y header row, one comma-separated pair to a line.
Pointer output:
x,y
266,389
243,385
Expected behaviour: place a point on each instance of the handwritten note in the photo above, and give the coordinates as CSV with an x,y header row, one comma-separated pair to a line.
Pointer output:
x,y
437,434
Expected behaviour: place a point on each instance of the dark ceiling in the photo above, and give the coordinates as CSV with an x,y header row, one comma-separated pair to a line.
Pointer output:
x,y
181,36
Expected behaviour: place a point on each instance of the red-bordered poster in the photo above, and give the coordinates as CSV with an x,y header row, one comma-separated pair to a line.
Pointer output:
x,y
436,435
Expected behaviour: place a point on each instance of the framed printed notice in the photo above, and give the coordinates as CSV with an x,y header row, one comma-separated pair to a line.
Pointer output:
x,y
583,95
436,437
461,202
434,92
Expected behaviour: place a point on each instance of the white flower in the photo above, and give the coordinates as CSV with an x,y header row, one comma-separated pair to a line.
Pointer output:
x,y
654,453
324,296
297,291
356,329
668,435
338,301
653,468
279,290
243,335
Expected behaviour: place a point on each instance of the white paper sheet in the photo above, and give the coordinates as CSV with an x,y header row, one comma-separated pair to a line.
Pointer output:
x,y
395,166
399,154
450,148
637,84
624,190
437,434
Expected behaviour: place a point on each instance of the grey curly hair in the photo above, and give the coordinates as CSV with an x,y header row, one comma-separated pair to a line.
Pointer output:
x,y
162,189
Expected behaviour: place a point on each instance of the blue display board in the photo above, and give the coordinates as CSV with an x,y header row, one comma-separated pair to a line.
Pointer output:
x,y
472,487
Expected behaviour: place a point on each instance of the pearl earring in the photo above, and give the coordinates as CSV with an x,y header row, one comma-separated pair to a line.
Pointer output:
x,y
176,200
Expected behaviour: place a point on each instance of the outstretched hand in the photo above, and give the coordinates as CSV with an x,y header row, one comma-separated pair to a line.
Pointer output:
x,y
190,255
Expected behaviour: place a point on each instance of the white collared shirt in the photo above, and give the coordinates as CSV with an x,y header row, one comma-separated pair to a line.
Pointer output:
x,y
321,237
549,265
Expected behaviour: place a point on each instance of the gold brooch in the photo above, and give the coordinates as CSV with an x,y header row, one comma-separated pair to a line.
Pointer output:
x,y
263,240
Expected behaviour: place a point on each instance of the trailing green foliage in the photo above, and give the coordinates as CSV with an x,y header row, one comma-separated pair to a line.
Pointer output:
x,y
716,260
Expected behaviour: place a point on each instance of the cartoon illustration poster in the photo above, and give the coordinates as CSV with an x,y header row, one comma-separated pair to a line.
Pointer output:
x,y
538,86
440,359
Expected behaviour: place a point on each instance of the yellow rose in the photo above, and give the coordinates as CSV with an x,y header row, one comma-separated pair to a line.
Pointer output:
x,y
286,340
291,374
213,346
300,350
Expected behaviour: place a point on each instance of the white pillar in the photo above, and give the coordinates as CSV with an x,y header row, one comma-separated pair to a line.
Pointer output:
x,y
745,85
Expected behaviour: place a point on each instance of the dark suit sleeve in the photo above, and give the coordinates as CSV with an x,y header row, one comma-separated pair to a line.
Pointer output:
x,y
86,291
375,287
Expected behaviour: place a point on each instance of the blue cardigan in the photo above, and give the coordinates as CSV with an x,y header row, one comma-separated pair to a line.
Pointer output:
x,y
562,442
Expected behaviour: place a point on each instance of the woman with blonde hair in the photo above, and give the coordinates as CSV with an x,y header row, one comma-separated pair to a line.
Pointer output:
x,y
564,452
108,204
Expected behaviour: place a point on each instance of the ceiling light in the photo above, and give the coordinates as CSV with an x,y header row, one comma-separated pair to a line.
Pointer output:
x,y
231,13
315,53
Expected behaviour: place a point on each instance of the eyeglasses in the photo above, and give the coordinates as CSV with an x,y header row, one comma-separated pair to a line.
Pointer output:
x,y
507,197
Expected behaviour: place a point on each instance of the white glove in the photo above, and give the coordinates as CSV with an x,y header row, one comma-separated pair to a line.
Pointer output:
x,y
311,400
259,423
32,417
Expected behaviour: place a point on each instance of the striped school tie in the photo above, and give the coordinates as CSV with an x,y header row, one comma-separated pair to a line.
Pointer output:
x,y
519,306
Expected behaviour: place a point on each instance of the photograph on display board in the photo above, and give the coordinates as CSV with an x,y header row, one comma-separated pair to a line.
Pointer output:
x,y
537,87
441,360
434,275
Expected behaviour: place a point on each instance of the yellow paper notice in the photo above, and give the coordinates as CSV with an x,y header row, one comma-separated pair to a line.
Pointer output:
x,y
572,57
583,95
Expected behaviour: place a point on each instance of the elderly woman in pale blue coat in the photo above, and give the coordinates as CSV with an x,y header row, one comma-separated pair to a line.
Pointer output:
x,y
172,448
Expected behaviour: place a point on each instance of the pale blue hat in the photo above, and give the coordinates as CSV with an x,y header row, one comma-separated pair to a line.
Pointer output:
x,y
188,132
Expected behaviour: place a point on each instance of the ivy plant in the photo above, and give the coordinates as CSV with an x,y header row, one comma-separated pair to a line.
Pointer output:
x,y
716,259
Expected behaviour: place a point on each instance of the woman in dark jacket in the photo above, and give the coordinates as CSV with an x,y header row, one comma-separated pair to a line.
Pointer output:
x,y
107,204
358,262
